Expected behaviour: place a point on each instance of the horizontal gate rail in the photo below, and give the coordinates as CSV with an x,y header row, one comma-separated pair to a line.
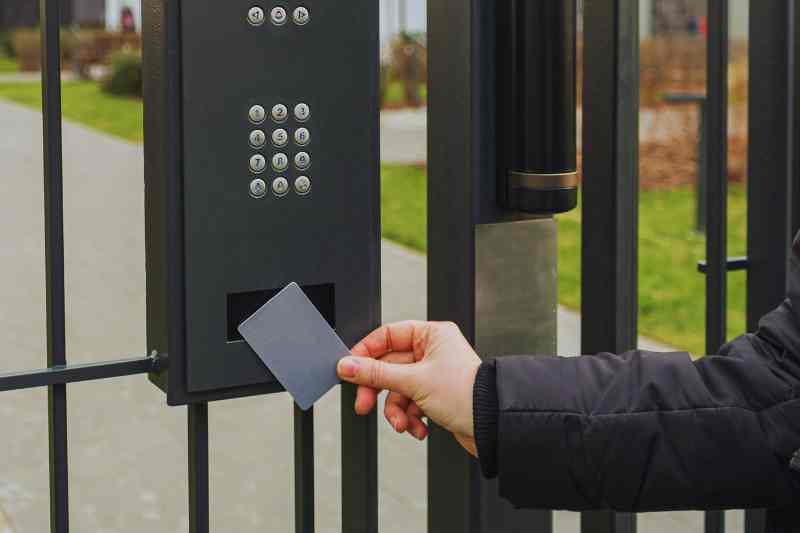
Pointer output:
x,y
61,375
733,264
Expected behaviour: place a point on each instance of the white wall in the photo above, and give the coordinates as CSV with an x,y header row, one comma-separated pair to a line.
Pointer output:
x,y
114,10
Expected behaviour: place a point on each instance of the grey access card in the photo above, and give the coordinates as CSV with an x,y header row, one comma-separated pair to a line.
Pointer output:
x,y
297,344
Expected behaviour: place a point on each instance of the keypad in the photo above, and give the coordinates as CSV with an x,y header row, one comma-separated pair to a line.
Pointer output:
x,y
293,126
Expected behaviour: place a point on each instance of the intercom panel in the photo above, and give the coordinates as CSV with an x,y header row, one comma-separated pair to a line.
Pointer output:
x,y
262,168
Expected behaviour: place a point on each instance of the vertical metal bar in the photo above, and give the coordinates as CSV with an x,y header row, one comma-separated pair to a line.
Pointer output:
x,y
359,467
610,193
702,166
50,13
198,468
717,194
768,219
794,114
304,470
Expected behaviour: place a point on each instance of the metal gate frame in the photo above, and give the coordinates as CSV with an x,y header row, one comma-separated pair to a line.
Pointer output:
x,y
609,287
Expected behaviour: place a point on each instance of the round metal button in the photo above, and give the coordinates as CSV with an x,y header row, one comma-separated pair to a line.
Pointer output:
x,y
302,160
257,114
255,16
302,136
258,188
258,163
279,113
280,137
278,16
302,112
280,186
257,138
301,16
280,162
302,185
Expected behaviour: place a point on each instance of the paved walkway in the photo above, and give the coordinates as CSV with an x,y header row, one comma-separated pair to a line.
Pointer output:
x,y
127,448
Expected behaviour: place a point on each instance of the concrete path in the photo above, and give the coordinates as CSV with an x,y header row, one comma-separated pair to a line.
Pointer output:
x,y
127,448
31,77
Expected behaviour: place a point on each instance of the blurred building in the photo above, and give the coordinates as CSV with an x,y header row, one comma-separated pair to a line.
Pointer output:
x,y
96,13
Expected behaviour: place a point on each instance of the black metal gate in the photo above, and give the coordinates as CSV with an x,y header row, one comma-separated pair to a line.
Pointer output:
x,y
610,231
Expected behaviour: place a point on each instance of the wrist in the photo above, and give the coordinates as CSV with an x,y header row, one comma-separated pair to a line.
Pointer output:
x,y
485,415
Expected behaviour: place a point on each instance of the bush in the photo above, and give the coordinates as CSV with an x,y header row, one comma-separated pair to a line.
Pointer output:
x,y
5,44
125,76
26,46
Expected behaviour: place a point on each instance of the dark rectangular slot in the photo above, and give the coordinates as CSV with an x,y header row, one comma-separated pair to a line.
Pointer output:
x,y
243,304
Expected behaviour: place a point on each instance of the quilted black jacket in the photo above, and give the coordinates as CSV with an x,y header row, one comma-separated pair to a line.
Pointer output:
x,y
647,431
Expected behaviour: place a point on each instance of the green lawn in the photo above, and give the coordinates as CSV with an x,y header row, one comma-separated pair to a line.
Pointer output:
x,y
671,292
84,102
7,64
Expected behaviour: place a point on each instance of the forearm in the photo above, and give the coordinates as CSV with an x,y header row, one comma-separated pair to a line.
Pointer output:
x,y
639,432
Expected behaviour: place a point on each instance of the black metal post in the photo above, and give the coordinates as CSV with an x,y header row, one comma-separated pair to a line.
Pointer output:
x,y
717,195
769,161
359,467
50,15
794,144
304,470
198,468
610,194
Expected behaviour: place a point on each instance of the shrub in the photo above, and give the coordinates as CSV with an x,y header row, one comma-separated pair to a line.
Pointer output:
x,y
125,76
26,46
5,44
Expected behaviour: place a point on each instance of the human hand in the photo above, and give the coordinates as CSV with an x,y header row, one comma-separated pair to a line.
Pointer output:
x,y
429,370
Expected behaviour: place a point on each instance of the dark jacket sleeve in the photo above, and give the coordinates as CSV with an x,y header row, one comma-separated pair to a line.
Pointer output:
x,y
645,431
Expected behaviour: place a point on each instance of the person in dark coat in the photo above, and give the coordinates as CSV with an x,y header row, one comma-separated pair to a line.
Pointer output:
x,y
639,431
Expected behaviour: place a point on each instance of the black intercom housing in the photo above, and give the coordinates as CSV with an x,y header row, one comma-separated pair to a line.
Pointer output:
x,y
239,201
536,96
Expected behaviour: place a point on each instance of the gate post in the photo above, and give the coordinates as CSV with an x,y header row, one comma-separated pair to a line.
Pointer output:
x,y
494,184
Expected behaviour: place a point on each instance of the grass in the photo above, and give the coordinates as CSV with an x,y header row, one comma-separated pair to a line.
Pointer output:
x,y
85,103
7,65
671,292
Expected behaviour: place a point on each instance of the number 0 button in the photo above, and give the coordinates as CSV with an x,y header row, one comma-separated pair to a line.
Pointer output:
x,y
280,186
280,162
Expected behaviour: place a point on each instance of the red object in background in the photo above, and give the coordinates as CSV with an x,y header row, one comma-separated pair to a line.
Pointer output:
x,y
704,26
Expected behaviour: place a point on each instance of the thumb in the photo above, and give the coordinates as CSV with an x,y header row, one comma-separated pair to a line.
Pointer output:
x,y
378,374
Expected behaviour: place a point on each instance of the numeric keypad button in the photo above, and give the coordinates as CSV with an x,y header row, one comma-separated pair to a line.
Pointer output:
x,y
301,16
302,160
280,162
258,163
257,138
257,114
302,136
302,112
280,137
258,188
302,185
278,16
255,16
280,186
280,113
